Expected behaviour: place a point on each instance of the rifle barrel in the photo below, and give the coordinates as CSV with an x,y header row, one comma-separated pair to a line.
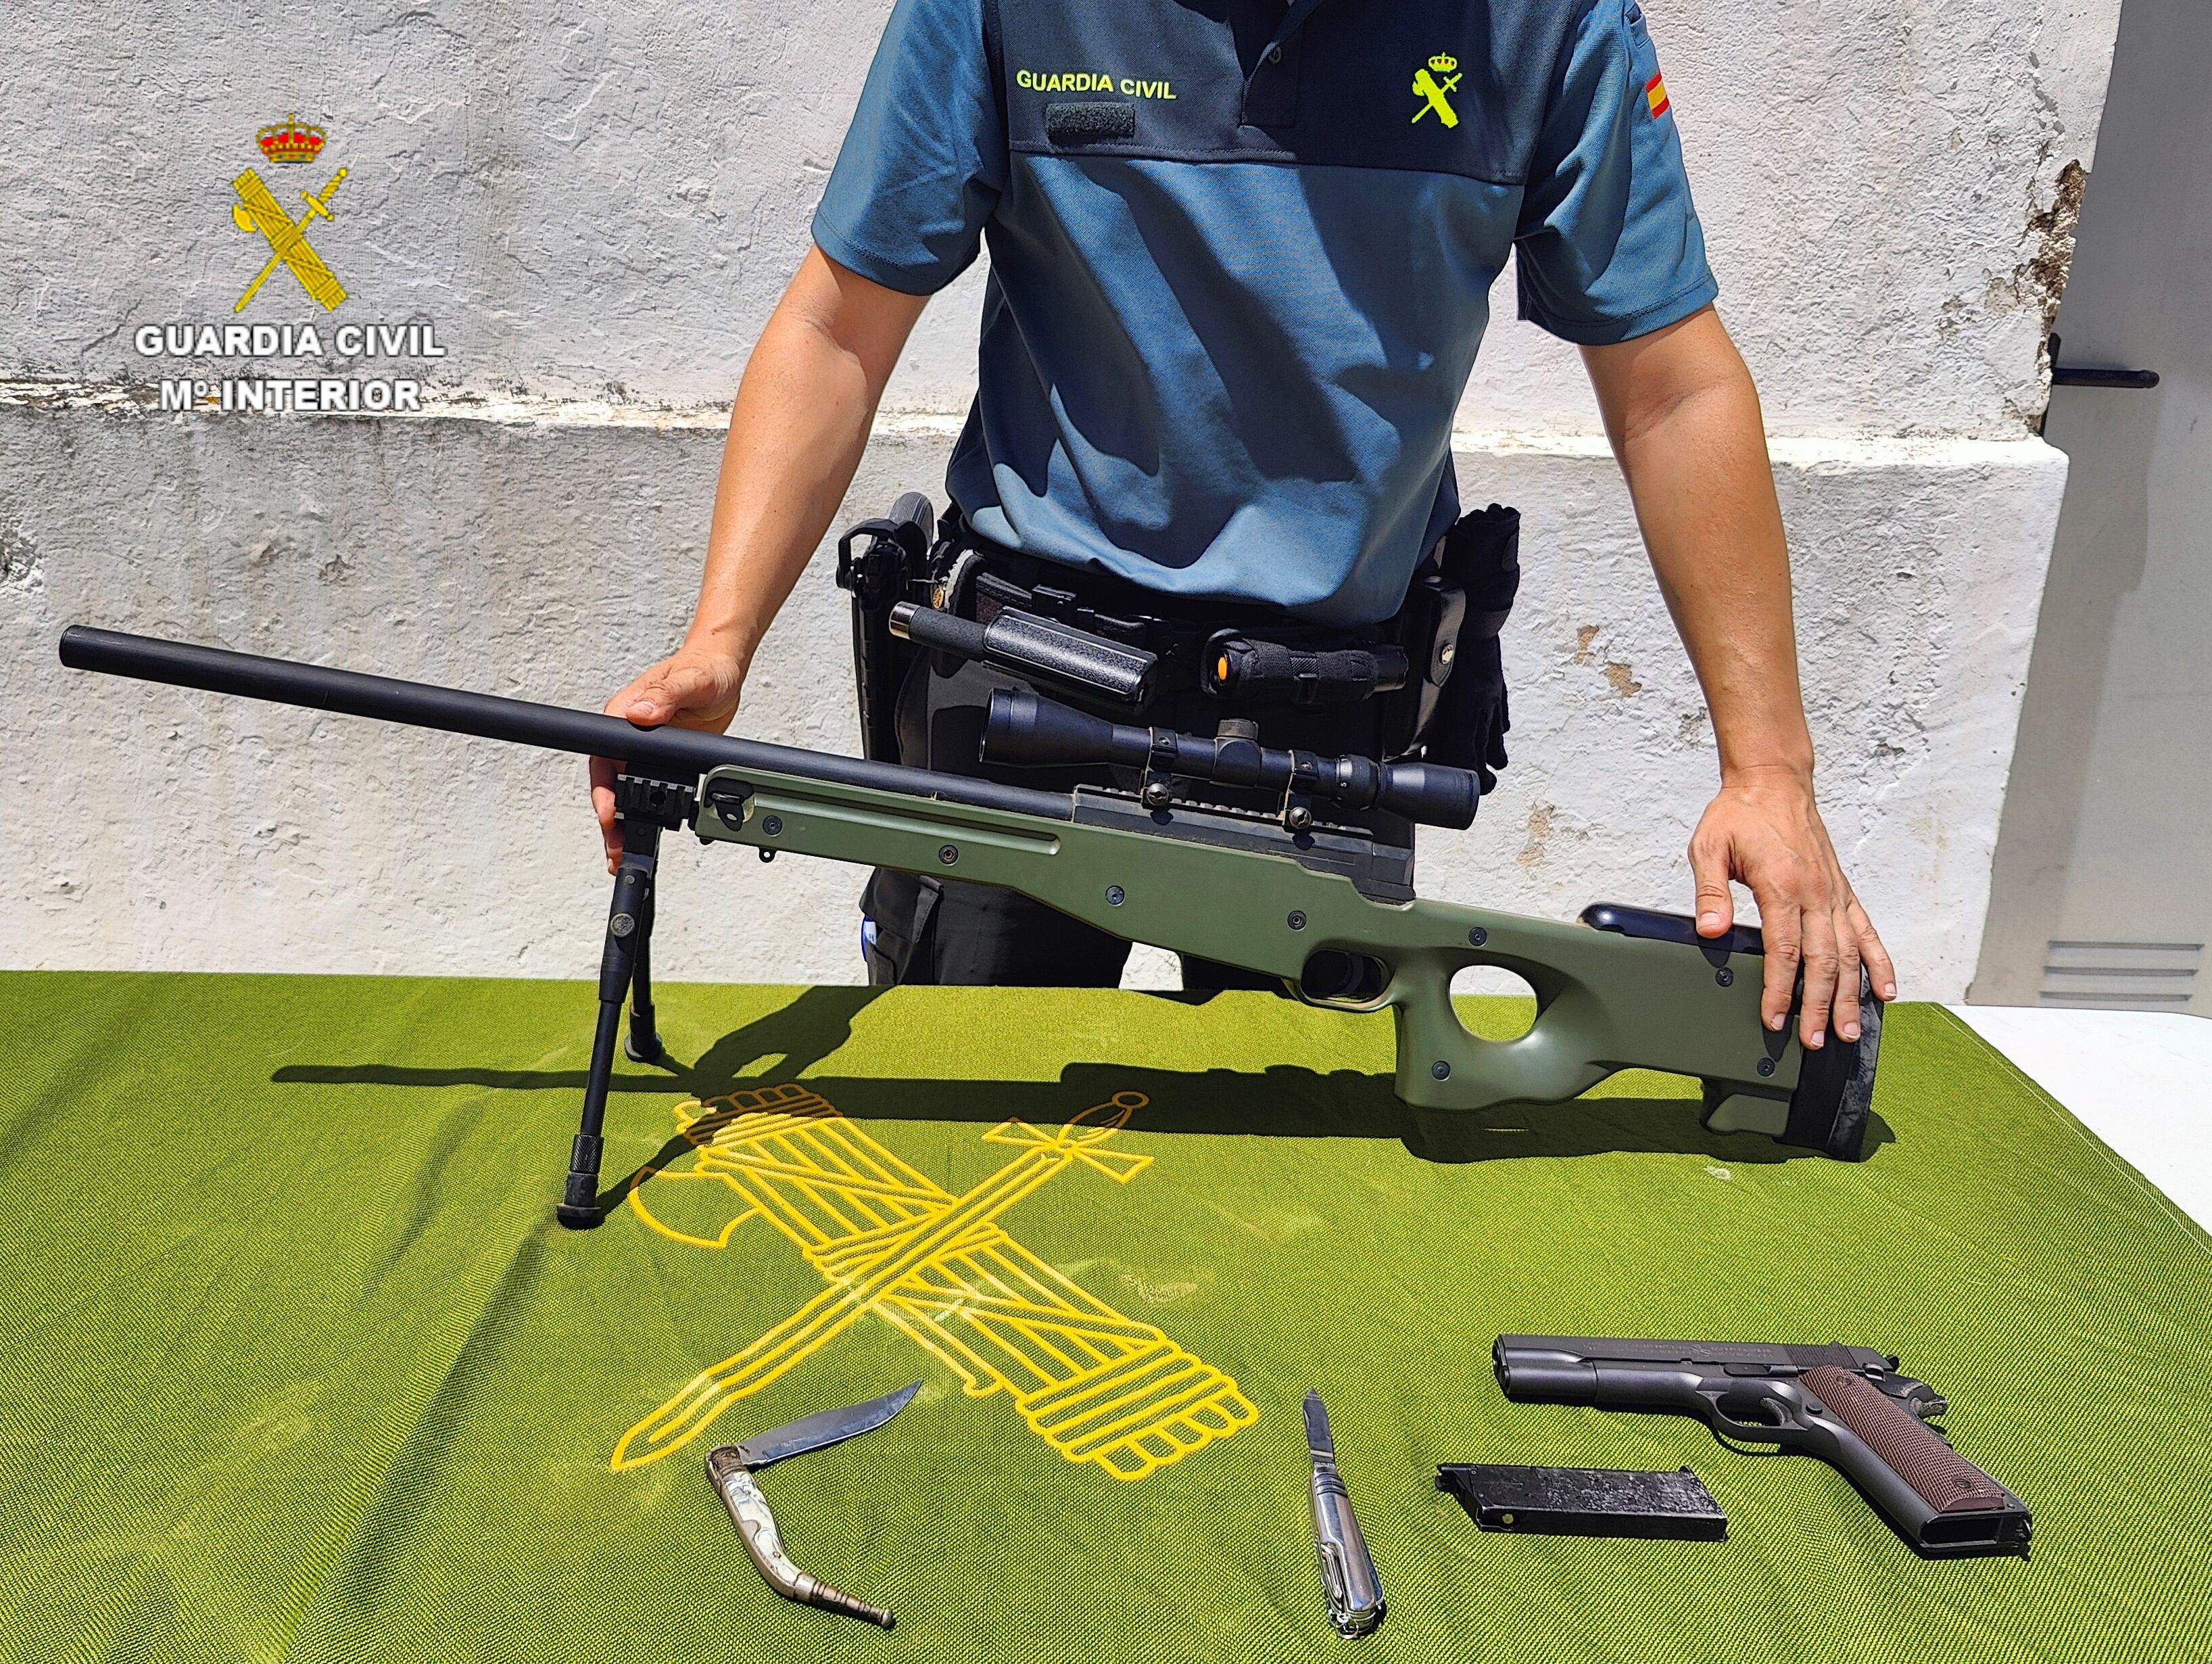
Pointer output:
x,y
680,754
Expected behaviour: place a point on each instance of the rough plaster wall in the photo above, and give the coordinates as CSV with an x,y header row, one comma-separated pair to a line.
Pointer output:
x,y
1877,181
597,208
588,199
209,831
1914,615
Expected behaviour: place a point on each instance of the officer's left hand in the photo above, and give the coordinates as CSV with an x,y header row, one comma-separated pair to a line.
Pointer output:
x,y
1764,831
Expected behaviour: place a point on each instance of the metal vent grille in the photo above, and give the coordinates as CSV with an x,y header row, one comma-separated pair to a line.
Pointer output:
x,y
2149,976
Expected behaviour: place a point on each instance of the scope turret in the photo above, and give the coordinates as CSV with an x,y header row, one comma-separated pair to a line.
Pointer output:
x,y
1027,732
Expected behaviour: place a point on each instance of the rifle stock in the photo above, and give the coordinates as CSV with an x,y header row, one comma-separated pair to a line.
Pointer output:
x,y
1605,1002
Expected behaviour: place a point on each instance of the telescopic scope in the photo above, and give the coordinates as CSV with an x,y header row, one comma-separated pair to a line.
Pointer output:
x,y
1027,732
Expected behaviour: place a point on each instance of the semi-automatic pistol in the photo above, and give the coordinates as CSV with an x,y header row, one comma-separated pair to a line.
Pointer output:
x,y
1849,1406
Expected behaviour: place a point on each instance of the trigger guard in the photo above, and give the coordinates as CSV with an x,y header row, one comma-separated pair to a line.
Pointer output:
x,y
1381,1000
1751,1432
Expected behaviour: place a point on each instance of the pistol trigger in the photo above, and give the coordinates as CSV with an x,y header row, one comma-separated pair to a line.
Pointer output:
x,y
1726,1422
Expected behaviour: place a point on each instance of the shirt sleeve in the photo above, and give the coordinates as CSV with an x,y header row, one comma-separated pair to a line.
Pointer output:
x,y
925,159
1608,243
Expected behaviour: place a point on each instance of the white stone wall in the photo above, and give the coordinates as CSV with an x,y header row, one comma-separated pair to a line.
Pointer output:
x,y
596,209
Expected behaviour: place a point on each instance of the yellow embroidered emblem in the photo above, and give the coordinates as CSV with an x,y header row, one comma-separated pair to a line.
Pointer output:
x,y
1432,83
1096,1385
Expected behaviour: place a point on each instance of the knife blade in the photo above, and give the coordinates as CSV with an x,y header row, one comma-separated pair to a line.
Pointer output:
x,y
822,1429
1319,1439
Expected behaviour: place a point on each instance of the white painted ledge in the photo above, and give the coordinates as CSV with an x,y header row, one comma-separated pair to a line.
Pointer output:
x,y
2142,1081
1843,447
547,547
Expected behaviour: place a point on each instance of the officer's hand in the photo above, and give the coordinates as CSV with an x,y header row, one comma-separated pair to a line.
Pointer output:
x,y
1764,831
693,688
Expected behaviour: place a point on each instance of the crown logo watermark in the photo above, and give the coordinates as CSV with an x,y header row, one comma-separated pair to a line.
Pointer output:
x,y
290,140
258,210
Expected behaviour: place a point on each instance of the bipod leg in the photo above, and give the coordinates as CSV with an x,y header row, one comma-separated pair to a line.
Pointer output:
x,y
643,1044
627,920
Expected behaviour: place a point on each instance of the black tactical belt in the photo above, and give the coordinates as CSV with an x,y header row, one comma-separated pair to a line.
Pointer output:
x,y
921,588
1239,653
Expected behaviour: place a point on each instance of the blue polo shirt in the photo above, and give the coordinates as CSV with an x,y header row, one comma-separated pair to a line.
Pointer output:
x,y
1240,258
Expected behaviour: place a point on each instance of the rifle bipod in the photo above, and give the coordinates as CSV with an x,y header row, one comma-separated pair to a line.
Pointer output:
x,y
645,809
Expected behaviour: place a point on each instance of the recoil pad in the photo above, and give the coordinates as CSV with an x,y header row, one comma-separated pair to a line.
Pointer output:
x,y
1024,730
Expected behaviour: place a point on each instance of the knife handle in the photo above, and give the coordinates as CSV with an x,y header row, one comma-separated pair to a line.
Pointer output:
x,y
741,1494
1349,1585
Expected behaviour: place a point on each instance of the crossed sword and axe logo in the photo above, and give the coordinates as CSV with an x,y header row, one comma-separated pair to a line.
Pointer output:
x,y
1098,1387
257,210
1439,76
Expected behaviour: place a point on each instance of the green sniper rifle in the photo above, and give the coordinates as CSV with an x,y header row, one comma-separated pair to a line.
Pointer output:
x,y
1327,909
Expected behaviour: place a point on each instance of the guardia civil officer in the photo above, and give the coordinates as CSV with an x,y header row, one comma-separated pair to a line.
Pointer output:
x,y
1240,257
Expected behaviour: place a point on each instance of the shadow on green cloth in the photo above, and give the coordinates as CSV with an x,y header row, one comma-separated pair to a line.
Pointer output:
x,y
1286,1101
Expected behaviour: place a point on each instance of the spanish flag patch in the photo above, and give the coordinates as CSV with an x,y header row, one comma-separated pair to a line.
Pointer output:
x,y
1654,90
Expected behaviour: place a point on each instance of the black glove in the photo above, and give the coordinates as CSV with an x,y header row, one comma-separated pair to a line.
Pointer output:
x,y
1472,721
1482,555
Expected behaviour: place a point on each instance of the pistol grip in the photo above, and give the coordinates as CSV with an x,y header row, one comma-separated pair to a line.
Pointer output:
x,y
1441,1065
1900,1461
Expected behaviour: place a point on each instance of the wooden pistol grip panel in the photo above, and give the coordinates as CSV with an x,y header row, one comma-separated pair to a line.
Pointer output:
x,y
1938,1475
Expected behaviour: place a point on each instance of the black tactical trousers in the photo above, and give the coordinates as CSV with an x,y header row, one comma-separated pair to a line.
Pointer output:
x,y
927,930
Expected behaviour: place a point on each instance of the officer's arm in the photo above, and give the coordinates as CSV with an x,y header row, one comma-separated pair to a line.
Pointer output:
x,y
1684,419
797,430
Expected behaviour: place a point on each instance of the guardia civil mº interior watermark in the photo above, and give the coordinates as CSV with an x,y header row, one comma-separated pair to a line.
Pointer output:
x,y
286,247
218,343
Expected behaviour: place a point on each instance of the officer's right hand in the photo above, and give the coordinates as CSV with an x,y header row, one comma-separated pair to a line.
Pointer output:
x,y
692,688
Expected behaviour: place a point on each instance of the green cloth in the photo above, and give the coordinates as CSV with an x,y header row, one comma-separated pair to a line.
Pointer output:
x,y
298,1366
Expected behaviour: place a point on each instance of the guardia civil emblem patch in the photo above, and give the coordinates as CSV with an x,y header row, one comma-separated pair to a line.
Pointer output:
x,y
1432,83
